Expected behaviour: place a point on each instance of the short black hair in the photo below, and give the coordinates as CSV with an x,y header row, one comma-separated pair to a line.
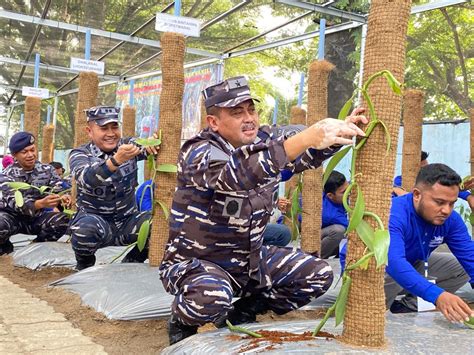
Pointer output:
x,y
56,165
335,181
438,173
424,155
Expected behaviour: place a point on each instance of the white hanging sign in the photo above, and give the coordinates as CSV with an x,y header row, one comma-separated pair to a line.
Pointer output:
x,y
35,92
187,26
81,64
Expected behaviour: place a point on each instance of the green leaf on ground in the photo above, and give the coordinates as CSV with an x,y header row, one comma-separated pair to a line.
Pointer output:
x,y
470,322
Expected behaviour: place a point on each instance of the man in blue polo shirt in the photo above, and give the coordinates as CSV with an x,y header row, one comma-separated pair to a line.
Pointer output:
x,y
334,216
419,222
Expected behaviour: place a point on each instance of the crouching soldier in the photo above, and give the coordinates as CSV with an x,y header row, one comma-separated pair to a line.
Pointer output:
x,y
35,215
227,187
105,171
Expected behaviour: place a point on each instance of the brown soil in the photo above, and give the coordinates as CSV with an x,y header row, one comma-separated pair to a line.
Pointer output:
x,y
117,337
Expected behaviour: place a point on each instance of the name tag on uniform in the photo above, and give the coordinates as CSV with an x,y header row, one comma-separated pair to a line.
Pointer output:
x,y
425,306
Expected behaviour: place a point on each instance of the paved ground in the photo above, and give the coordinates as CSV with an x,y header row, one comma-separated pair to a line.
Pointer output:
x,y
29,325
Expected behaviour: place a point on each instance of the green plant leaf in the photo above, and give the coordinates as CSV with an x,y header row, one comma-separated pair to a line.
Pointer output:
x,y
68,212
148,142
357,212
17,185
393,82
334,161
237,329
19,199
143,235
341,300
150,161
381,244
470,322
167,168
366,234
42,189
370,105
346,108
360,262
165,209
388,139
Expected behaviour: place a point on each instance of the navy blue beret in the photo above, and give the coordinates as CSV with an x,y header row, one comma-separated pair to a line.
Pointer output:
x,y
20,141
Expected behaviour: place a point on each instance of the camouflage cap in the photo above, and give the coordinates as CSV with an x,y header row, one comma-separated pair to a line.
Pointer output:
x,y
102,115
228,93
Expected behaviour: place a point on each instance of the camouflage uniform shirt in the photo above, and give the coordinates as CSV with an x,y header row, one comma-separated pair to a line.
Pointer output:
x,y
223,202
99,190
41,175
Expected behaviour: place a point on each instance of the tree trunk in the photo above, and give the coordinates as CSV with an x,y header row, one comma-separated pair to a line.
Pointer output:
x,y
171,118
313,179
413,112
364,322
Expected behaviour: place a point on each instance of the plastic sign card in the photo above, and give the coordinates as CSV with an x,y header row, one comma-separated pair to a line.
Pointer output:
x,y
81,64
35,92
187,26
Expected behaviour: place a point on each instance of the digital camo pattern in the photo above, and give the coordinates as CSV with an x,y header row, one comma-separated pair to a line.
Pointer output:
x,y
107,212
45,224
222,204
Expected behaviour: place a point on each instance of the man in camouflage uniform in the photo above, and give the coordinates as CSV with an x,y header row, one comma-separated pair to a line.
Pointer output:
x,y
227,186
35,216
105,171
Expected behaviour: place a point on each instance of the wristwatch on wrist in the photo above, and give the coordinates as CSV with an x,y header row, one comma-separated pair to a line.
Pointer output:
x,y
114,162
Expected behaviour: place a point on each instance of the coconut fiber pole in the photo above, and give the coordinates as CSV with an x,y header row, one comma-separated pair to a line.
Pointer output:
x,y
128,121
297,116
413,112
313,179
364,322
86,98
47,145
32,115
203,112
171,113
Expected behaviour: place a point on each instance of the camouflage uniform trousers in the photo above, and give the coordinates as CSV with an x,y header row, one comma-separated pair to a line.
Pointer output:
x,y
47,226
205,293
91,232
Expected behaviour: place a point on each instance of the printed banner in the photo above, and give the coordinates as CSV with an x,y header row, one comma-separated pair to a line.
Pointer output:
x,y
146,96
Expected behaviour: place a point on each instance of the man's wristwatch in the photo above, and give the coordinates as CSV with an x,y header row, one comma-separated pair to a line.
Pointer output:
x,y
114,162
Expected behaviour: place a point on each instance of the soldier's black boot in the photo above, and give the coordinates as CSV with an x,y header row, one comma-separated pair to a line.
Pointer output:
x,y
245,311
136,256
178,331
83,262
6,248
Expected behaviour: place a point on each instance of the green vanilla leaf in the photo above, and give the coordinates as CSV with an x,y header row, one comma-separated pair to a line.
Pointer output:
x,y
17,185
470,322
360,262
164,208
381,244
334,161
150,160
167,168
148,142
370,105
357,212
237,329
68,212
143,235
393,82
19,199
345,109
43,189
387,135
341,300
366,234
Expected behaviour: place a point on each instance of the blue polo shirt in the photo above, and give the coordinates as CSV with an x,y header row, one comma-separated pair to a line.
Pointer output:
x,y
333,213
413,239
143,196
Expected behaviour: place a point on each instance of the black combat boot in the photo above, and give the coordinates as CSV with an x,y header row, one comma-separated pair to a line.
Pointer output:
x,y
6,248
136,256
178,331
245,311
84,261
